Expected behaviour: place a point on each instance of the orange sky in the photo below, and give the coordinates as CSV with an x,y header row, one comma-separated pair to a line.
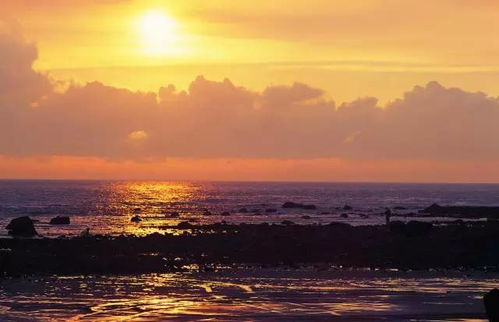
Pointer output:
x,y
338,51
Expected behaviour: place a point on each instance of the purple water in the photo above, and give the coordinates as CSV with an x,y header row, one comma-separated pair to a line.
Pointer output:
x,y
107,206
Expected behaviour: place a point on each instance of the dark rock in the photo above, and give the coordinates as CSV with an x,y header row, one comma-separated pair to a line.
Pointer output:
x,y
400,208
243,210
22,227
347,207
184,225
60,221
344,215
270,210
290,205
294,205
306,217
462,211
287,223
85,233
174,215
207,213
491,301
136,219
226,214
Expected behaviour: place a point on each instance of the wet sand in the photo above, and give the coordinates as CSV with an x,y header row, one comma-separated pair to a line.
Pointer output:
x,y
263,294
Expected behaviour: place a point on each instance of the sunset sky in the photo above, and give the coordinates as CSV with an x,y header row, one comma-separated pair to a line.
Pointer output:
x,y
318,90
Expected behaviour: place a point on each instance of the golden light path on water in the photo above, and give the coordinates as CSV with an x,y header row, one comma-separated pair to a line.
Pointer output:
x,y
155,202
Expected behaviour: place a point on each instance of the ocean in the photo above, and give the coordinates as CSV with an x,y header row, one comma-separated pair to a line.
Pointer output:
x,y
106,207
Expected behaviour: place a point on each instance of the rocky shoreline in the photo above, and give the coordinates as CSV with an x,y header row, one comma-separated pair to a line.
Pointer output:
x,y
411,246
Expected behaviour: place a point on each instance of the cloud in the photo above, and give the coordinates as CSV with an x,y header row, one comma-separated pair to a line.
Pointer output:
x,y
19,84
218,119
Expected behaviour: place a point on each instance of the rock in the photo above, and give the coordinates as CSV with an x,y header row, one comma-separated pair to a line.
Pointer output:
x,y
462,211
184,225
225,214
270,210
207,213
85,233
174,215
294,205
136,219
22,227
287,223
306,217
491,301
400,208
344,215
60,221
243,210
347,207
290,205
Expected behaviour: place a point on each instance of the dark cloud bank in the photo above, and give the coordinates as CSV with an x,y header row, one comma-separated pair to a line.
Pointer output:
x,y
220,119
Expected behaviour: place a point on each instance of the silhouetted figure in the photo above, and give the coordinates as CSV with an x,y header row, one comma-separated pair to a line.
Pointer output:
x,y
388,215
491,301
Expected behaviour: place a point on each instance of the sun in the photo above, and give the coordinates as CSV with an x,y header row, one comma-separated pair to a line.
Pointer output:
x,y
158,32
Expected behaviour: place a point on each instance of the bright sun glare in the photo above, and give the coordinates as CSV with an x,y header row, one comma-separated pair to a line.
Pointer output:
x,y
158,32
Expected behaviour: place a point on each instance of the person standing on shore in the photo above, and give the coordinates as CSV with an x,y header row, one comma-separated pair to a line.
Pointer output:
x,y
388,214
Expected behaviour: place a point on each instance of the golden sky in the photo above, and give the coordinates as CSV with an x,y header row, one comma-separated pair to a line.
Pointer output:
x,y
351,48
348,90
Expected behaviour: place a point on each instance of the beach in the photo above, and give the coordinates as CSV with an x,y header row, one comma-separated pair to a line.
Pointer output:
x,y
252,251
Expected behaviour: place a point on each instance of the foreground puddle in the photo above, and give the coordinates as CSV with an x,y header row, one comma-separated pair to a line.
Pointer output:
x,y
250,294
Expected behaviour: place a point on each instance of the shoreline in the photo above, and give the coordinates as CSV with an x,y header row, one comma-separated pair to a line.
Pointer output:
x,y
412,246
